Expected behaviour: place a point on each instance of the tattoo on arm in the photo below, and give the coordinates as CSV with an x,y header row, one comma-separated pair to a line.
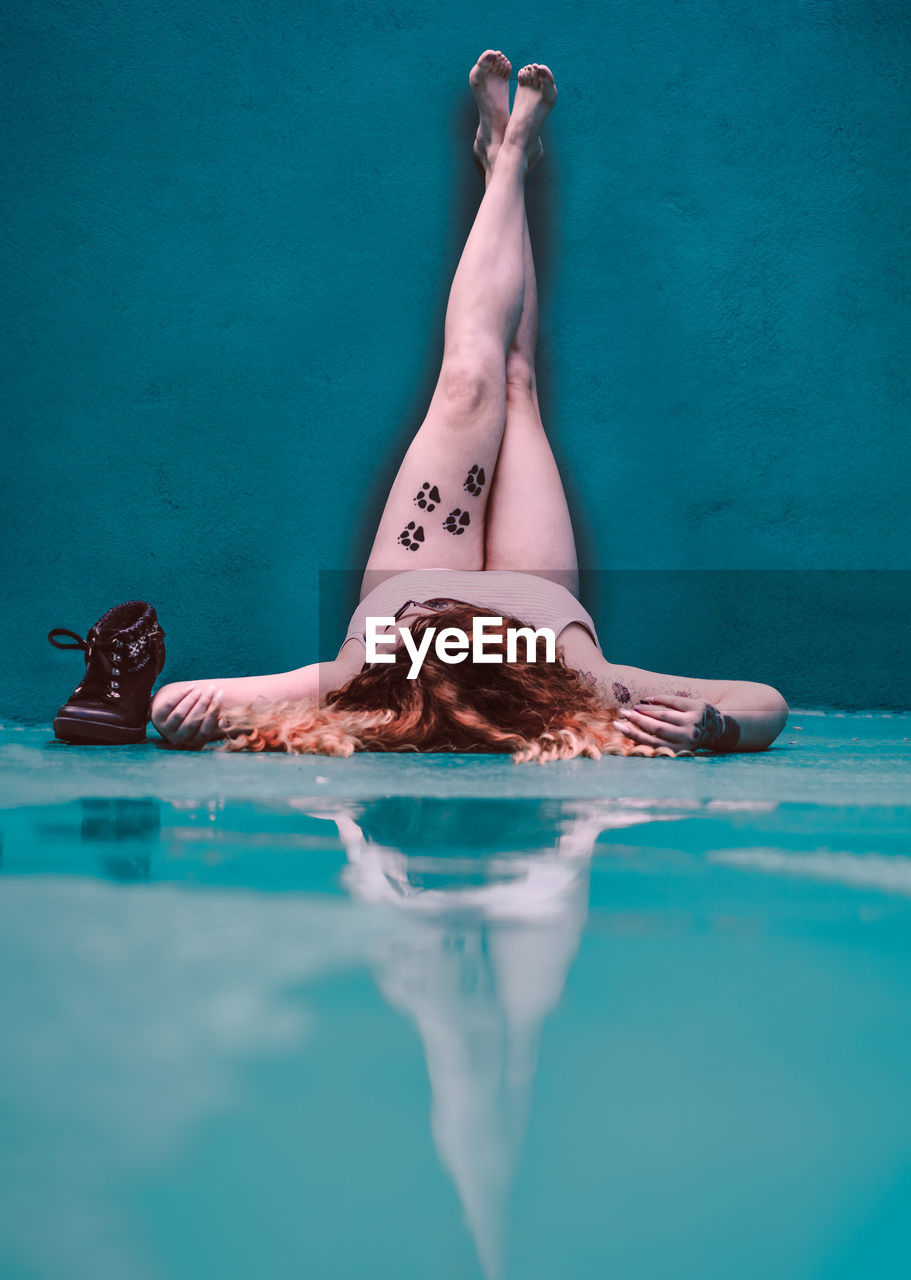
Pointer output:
x,y
474,481
717,732
633,693
714,730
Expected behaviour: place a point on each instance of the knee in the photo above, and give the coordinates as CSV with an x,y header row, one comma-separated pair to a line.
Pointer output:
x,y
520,375
470,385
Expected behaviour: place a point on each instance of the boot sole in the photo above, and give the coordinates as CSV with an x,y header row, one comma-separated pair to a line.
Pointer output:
x,y
69,730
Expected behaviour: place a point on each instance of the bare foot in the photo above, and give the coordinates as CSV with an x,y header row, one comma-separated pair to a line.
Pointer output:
x,y
533,103
489,79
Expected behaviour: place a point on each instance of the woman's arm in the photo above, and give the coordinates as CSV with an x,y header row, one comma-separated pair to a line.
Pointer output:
x,y
759,710
186,713
658,709
748,717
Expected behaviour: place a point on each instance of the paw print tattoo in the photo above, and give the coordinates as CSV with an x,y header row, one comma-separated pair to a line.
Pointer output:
x,y
428,498
411,536
474,481
457,521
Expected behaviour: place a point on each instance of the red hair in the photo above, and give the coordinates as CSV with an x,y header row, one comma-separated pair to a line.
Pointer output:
x,y
534,710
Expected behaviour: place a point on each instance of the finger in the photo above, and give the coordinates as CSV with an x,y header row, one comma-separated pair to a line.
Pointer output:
x,y
208,729
670,714
179,712
200,716
663,729
184,703
669,700
185,734
633,732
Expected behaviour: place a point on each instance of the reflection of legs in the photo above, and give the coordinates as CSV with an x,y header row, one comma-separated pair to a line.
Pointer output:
x,y
528,521
464,424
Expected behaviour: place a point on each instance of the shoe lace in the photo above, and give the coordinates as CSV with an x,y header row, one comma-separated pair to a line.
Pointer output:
x,y
103,658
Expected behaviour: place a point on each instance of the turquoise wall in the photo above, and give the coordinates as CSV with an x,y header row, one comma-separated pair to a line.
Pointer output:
x,y
231,229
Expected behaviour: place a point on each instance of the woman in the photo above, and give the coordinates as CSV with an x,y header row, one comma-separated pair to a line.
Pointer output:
x,y
478,501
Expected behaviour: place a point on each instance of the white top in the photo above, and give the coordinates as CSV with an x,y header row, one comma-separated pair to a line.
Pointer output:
x,y
533,600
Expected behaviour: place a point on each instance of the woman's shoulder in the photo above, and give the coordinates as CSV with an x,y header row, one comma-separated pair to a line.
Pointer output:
x,y
351,656
580,650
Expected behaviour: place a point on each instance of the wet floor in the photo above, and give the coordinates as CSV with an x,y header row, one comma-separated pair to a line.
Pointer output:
x,y
450,1017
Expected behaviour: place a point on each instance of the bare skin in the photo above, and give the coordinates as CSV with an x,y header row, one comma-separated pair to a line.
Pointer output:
x,y
489,80
528,521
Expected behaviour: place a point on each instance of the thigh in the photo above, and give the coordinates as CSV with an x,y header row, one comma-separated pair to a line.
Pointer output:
x,y
528,524
436,510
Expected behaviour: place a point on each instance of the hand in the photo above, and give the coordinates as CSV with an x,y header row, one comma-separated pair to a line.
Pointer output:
x,y
683,723
192,721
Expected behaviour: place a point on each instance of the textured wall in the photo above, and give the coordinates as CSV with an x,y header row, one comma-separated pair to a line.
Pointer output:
x,y
231,230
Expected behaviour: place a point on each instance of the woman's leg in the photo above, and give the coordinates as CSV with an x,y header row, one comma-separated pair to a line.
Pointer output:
x,y
528,521
435,514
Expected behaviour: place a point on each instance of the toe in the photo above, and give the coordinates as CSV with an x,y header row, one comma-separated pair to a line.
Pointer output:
x,y
482,66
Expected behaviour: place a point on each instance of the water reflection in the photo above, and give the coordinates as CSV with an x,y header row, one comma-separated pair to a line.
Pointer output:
x,y
138,1015
468,912
496,892
124,833
131,828
891,874
134,1015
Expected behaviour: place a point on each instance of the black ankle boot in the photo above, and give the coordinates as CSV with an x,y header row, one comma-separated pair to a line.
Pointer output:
x,y
124,655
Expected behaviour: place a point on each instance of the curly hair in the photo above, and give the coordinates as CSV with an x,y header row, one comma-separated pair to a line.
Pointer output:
x,y
535,711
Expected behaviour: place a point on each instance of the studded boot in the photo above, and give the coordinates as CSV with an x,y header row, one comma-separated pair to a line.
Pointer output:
x,y
124,655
